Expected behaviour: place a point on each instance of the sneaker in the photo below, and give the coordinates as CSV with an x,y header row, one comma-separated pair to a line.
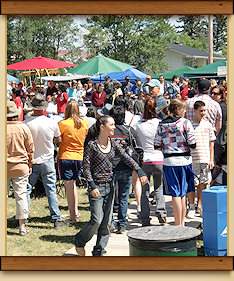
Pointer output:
x,y
121,230
152,194
190,214
112,228
138,214
198,210
59,224
146,224
80,251
162,220
153,202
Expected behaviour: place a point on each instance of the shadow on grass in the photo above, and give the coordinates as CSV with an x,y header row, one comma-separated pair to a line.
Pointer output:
x,y
12,233
12,223
65,239
40,219
41,227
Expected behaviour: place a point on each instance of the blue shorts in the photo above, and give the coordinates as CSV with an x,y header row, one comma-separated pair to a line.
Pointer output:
x,y
178,180
69,169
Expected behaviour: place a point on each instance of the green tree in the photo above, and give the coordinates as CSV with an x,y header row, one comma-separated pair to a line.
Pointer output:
x,y
140,41
195,28
31,36
220,33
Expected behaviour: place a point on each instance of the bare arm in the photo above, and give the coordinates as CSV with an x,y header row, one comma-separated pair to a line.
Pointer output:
x,y
211,164
218,125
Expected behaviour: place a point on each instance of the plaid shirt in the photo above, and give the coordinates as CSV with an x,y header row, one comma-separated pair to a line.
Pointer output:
x,y
98,166
213,109
174,135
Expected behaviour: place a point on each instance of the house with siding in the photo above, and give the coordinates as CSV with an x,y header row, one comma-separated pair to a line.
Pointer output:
x,y
181,55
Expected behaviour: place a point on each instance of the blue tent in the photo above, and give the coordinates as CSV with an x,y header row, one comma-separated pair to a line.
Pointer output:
x,y
11,78
133,74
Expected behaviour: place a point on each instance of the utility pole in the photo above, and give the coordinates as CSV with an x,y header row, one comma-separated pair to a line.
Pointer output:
x,y
210,39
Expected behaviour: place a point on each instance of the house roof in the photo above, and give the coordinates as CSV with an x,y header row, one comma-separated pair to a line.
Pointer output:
x,y
192,52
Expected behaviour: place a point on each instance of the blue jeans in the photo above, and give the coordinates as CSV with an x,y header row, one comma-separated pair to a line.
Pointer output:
x,y
48,175
101,213
124,180
156,171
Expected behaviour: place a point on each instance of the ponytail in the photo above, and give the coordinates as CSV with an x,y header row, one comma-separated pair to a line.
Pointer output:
x,y
94,130
171,108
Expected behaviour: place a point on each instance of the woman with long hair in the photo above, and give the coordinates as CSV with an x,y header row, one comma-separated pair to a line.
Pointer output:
x,y
98,171
73,132
89,91
153,163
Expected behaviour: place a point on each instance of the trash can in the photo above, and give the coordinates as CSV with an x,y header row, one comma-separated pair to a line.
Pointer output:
x,y
163,241
214,205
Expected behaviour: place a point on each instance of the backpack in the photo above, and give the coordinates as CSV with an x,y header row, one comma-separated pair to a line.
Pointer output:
x,y
220,146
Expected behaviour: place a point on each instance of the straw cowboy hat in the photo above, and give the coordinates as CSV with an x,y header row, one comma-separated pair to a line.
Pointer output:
x,y
12,109
38,102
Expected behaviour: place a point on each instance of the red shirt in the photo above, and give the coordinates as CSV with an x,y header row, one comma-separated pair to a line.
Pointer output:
x,y
98,101
61,101
19,104
184,94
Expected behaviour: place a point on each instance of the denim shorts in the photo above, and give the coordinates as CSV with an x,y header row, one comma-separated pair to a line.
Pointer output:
x,y
69,169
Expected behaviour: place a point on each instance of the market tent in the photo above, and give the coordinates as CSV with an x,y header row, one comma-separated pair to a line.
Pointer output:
x,y
99,65
11,78
133,74
179,72
207,70
65,78
39,63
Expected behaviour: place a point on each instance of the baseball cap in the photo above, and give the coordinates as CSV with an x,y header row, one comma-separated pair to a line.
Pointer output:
x,y
203,85
154,83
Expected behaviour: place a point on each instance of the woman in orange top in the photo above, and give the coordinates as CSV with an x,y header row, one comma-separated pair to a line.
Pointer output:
x,y
73,132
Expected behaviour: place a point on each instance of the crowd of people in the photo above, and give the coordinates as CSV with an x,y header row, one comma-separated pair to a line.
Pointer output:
x,y
100,129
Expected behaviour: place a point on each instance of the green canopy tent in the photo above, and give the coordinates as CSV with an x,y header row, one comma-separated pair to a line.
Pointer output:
x,y
99,65
179,72
207,71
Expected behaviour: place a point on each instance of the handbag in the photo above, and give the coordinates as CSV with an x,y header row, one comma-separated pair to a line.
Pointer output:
x,y
133,150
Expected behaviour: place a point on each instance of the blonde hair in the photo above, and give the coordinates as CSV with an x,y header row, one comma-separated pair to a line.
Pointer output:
x,y
72,111
171,108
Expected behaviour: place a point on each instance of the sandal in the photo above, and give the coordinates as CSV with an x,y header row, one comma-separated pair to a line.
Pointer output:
x,y
69,221
23,232
77,215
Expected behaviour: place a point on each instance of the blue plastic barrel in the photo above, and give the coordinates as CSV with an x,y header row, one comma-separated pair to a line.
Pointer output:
x,y
214,205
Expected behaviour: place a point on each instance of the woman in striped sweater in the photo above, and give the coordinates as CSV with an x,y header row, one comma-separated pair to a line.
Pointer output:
x,y
98,170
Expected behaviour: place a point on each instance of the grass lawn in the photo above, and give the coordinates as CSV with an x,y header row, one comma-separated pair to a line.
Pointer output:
x,y
43,239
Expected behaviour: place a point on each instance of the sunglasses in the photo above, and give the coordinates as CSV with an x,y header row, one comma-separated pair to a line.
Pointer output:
x,y
213,93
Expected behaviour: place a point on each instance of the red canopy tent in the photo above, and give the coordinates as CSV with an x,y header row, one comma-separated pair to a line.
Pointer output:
x,y
39,63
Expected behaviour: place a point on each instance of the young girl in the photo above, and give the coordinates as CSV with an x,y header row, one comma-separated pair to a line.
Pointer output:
x,y
73,132
98,170
175,136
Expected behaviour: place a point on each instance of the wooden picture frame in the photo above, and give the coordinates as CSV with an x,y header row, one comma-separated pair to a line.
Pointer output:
x,y
163,7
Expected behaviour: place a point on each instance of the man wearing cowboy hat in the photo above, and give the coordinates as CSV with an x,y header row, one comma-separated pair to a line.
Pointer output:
x,y
45,131
19,162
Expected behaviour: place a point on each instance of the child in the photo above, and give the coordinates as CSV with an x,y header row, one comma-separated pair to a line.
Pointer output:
x,y
202,156
175,136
